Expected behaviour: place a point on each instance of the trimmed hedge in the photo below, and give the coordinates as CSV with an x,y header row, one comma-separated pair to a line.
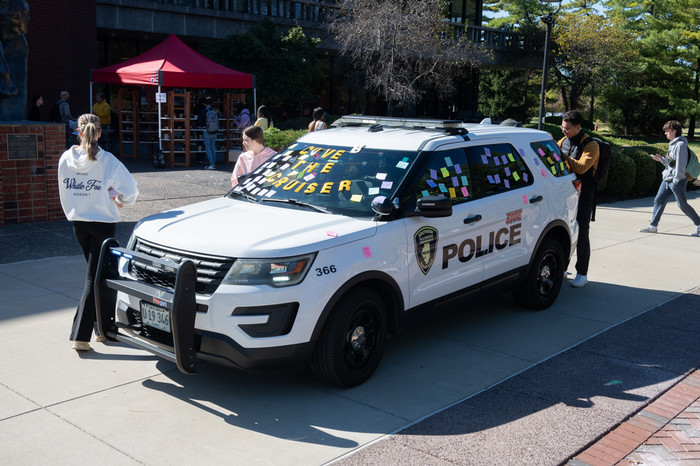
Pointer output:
x,y
279,139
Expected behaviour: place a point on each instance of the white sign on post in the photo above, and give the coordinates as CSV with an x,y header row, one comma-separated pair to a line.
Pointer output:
x,y
161,97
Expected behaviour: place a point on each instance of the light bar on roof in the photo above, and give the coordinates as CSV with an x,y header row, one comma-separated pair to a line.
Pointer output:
x,y
365,120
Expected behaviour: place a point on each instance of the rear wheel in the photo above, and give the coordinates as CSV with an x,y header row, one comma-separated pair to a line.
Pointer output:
x,y
352,341
543,282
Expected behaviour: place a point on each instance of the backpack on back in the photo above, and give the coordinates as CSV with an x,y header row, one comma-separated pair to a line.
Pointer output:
x,y
55,113
692,168
601,172
212,121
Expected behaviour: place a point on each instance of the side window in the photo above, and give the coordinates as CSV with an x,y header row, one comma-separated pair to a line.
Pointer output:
x,y
497,168
549,158
446,173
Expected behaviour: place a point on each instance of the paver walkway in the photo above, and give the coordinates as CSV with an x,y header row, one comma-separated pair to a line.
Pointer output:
x,y
667,432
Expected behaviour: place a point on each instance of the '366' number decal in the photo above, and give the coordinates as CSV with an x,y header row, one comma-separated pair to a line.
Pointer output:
x,y
320,271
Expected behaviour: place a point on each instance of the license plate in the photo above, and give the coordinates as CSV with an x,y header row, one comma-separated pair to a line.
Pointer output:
x,y
155,316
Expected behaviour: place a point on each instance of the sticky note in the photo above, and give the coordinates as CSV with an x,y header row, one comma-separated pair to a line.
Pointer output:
x,y
497,178
537,161
516,177
442,188
525,177
496,161
431,183
484,159
556,157
562,167
455,181
507,170
452,192
510,157
270,193
550,161
465,193
504,159
381,176
433,174
525,200
539,149
488,151
332,234
522,152
309,177
554,170
444,172
285,166
402,165
425,193
373,191
366,251
263,192
458,169
465,182
356,198
490,178
448,161
506,183
544,172
387,184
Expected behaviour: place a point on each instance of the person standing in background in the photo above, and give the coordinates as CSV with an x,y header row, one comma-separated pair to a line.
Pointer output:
x,y
92,185
66,117
243,118
34,112
208,121
263,116
104,112
318,123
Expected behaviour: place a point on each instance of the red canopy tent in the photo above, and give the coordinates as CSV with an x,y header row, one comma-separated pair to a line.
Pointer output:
x,y
173,64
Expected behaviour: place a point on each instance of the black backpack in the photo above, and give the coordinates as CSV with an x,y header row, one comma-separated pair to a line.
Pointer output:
x,y
601,172
55,114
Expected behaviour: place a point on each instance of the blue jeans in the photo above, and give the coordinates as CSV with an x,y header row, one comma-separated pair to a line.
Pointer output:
x,y
210,146
677,189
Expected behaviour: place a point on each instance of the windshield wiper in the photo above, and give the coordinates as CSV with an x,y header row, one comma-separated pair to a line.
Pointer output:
x,y
296,203
249,197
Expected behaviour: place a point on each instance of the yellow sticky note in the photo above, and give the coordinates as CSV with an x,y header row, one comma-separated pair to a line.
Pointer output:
x,y
554,169
561,166
444,172
516,177
452,192
510,156
356,198
550,161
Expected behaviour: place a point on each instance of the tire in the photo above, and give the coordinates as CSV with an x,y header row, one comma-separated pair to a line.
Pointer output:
x,y
352,340
544,279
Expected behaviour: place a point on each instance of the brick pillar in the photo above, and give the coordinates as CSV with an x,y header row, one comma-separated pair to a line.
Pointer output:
x,y
29,187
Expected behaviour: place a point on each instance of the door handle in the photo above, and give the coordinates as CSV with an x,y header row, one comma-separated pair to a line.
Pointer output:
x,y
535,199
472,219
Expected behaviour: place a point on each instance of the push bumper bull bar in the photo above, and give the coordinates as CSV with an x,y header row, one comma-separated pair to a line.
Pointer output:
x,y
180,303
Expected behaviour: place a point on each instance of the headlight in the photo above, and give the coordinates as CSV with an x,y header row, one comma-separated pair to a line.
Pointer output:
x,y
274,272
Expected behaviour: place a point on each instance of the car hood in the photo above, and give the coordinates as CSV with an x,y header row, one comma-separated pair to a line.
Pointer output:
x,y
234,228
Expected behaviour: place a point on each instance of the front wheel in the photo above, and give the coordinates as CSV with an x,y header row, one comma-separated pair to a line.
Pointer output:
x,y
352,340
543,281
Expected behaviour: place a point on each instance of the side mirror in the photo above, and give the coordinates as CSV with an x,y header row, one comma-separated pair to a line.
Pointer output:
x,y
382,205
434,206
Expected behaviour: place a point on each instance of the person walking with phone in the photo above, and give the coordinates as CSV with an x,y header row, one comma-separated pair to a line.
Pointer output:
x,y
673,179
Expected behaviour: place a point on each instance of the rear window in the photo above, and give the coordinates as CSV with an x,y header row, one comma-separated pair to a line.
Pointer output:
x,y
548,158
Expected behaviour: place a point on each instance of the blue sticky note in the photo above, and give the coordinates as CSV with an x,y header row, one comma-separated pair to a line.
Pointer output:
x,y
458,169
448,161
442,188
455,182
465,182
431,183
484,159
425,193
490,178
433,174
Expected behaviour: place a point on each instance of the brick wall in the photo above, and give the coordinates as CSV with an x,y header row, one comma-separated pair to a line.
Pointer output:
x,y
62,40
29,187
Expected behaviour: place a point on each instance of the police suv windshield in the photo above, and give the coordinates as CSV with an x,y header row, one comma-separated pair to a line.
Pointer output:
x,y
336,179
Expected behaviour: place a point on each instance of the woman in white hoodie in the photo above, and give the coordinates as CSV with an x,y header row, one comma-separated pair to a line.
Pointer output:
x,y
92,184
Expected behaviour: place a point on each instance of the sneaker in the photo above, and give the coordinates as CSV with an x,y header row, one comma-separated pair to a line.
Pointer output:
x,y
649,229
210,167
579,281
81,346
99,339
697,232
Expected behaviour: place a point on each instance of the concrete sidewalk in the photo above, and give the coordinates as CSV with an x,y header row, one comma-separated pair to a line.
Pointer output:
x,y
490,384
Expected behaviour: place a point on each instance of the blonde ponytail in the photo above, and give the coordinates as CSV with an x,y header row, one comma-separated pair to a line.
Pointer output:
x,y
89,128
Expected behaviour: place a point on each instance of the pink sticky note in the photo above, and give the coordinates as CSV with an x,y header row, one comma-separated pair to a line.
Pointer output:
x,y
465,193
544,172
539,149
525,200
332,233
367,252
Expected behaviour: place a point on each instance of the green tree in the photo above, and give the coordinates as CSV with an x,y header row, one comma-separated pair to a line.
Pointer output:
x,y
665,85
509,93
284,65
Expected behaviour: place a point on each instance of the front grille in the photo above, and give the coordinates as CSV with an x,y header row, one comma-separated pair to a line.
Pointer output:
x,y
211,270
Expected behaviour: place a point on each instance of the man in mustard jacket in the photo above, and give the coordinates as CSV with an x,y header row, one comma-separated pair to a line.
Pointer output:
x,y
581,155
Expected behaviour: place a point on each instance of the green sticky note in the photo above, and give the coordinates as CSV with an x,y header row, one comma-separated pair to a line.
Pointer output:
x,y
516,177
510,156
444,172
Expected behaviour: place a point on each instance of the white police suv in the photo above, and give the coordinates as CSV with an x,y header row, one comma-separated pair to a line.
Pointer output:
x,y
341,239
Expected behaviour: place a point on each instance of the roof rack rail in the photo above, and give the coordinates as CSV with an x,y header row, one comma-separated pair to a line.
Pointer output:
x,y
367,120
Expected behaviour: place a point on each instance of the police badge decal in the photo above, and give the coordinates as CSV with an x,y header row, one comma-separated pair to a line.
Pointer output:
x,y
425,242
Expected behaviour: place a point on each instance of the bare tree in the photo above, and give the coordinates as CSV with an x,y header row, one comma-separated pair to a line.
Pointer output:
x,y
404,46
